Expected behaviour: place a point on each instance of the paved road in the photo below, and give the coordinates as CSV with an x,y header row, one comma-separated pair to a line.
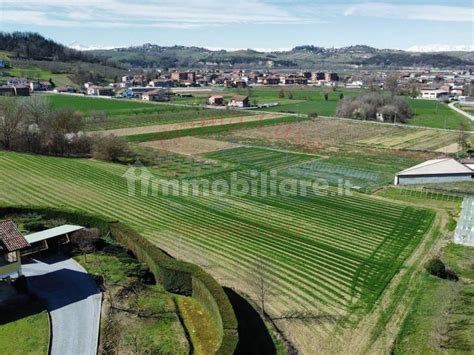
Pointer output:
x,y
464,113
74,303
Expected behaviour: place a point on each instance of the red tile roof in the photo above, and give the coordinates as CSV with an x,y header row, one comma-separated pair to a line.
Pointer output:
x,y
239,98
10,237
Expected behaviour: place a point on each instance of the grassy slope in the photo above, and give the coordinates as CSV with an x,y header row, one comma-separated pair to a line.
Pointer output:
x,y
28,335
40,74
429,113
440,319
317,262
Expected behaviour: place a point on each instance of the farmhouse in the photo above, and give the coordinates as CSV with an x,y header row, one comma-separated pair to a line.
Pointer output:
x,y
11,243
217,100
435,171
40,86
154,95
239,101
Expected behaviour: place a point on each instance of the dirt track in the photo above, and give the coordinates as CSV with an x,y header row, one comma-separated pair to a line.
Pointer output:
x,y
189,125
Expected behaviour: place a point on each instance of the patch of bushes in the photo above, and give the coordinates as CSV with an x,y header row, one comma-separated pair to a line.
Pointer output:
x,y
437,268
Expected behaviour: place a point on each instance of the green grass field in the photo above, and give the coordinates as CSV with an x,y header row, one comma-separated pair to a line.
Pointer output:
x,y
40,74
26,335
429,113
87,104
329,253
127,113
440,319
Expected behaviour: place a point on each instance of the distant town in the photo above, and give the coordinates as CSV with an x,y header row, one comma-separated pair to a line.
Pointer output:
x,y
158,85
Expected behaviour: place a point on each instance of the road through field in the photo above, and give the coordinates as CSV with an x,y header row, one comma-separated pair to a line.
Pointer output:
x,y
452,105
190,125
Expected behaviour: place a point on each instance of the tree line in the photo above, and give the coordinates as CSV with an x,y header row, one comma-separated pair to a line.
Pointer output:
x,y
375,106
32,125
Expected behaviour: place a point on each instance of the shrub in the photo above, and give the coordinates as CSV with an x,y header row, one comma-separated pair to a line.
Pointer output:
x,y
109,147
437,268
35,226
312,115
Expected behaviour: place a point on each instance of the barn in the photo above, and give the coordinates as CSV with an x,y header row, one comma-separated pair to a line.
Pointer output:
x,y
435,171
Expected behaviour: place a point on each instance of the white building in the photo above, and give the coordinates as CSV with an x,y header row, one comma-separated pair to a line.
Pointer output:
x,y
435,171
433,94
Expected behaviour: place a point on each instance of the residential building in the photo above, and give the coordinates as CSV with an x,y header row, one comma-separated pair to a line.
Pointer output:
x,y
155,95
331,77
40,86
239,101
100,91
317,76
11,243
216,100
433,94
17,82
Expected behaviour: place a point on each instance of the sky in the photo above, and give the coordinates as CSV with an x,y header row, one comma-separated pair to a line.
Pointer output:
x,y
259,24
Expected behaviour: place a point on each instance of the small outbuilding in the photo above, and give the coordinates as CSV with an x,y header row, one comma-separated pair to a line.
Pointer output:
x,y
217,100
435,171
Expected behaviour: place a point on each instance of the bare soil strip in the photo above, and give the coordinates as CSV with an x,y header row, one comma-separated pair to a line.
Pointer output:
x,y
189,125
190,145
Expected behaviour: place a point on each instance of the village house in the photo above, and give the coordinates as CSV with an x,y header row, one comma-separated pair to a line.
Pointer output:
x,y
183,77
40,86
329,77
154,95
216,100
239,101
11,243
433,94
17,82
100,91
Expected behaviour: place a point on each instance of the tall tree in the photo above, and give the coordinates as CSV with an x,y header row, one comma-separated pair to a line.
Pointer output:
x,y
391,84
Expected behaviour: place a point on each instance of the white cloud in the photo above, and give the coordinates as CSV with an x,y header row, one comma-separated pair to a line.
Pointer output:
x,y
132,13
412,12
442,48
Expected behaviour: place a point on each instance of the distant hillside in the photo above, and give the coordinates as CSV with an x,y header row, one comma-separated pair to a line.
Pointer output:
x,y
35,57
309,57
28,45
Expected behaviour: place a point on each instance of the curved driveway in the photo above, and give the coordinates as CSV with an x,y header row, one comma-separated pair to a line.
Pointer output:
x,y
74,303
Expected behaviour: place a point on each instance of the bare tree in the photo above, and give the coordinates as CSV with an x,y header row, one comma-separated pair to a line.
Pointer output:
x,y
463,137
85,241
260,275
10,122
391,84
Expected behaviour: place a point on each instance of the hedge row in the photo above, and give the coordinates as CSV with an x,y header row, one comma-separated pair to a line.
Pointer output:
x,y
175,276
184,278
